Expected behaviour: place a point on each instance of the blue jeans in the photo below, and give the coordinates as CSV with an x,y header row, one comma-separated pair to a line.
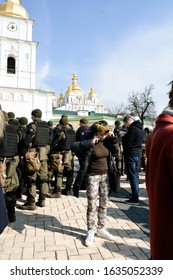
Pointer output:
x,y
132,168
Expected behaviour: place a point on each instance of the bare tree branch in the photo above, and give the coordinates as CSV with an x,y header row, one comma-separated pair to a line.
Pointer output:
x,y
141,104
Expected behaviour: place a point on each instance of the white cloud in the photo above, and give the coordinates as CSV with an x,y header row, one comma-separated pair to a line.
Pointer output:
x,y
143,59
42,73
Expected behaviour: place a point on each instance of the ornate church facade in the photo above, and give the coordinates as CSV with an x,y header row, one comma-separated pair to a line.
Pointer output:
x,y
74,99
18,91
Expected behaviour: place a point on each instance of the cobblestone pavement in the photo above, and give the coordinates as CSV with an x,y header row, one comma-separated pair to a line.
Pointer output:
x,y
57,231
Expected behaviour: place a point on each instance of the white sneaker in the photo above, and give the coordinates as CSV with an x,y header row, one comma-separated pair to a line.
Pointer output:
x,y
90,237
102,232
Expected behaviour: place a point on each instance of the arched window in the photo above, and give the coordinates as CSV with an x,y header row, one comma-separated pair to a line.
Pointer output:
x,y
10,96
11,65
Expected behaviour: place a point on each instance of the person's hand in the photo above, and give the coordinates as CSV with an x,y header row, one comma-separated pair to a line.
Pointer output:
x,y
95,139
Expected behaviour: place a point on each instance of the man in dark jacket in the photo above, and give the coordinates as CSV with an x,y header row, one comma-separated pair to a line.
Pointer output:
x,y
132,148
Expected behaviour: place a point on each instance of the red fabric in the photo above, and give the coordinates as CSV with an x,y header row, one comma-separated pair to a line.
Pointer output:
x,y
159,184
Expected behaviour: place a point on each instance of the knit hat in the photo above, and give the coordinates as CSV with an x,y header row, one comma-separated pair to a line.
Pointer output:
x,y
23,121
64,116
63,121
11,115
50,123
84,121
37,113
117,122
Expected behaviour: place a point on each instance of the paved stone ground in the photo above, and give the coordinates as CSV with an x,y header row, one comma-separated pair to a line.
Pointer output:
x,y
57,231
138,214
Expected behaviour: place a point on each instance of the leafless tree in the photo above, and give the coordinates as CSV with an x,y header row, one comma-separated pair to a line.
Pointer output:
x,y
141,104
115,110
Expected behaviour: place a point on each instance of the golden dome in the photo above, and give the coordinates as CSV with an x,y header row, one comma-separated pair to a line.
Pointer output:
x,y
74,83
92,93
61,98
69,91
14,9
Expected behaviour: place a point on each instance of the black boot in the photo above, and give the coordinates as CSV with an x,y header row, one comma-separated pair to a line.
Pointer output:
x,y
66,192
69,182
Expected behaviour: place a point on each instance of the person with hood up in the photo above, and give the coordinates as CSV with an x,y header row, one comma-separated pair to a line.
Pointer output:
x,y
132,149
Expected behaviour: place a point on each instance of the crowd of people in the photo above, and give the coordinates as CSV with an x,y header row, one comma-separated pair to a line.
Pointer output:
x,y
39,158
32,154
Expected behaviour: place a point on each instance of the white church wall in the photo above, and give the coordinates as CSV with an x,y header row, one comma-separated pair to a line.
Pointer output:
x,y
20,32
22,102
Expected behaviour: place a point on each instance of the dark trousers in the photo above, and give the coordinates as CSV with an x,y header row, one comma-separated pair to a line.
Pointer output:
x,y
132,167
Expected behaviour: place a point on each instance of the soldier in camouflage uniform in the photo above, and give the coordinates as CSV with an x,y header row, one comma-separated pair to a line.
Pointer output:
x,y
37,139
63,136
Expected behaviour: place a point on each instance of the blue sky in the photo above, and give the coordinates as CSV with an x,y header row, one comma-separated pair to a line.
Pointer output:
x,y
115,46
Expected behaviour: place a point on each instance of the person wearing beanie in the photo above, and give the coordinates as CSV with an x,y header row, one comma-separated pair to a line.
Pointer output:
x,y
11,119
83,121
63,136
83,127
37,140
23,121
11,115
64,121
36,114
159,183
64,116
50,123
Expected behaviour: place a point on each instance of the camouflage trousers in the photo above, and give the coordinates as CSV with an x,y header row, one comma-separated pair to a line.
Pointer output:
x,y
97,187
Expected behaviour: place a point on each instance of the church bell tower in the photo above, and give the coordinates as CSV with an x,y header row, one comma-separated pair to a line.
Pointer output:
x,y
18,51
18,91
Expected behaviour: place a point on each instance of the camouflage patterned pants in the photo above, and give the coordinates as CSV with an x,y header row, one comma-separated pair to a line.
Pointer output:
x,y
97,187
